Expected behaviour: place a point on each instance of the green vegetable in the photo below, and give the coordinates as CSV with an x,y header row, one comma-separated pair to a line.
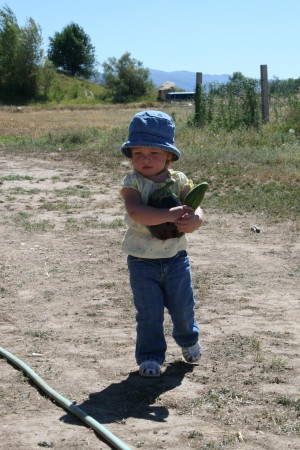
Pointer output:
x,y
164,198
160,193
195,196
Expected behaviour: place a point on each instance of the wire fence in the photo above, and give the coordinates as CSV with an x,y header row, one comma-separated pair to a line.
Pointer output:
x,y
239,103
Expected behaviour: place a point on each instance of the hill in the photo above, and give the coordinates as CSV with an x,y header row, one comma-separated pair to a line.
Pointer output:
x,y
183,79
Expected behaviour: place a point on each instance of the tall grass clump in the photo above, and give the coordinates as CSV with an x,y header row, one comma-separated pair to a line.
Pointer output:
x,y
293,115
248,170
286,113
231,105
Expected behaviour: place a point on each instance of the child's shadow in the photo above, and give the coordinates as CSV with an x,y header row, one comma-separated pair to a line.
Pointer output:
x,y
133,397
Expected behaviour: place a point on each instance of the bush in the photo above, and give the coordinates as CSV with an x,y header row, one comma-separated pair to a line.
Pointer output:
x,y
232,105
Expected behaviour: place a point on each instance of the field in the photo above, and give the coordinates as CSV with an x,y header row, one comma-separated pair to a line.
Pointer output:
x,y
67,312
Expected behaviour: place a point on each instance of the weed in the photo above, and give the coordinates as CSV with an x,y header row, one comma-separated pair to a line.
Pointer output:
x,y
57,206
193,434
2,271
202,379
108,285
45,444
72,224
22,219
117,223
73,192
16,177
289,403
218,445
38,334
250,382
21,191
48,295
256,345
292,427
236,346
230,105
277,364
277,380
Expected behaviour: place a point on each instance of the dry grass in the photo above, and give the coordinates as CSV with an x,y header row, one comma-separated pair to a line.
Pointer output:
x,y
38,122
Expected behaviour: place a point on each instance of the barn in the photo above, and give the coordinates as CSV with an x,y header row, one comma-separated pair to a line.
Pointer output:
x,y
180,96
165,89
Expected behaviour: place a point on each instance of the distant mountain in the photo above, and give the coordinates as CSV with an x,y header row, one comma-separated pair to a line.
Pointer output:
x,y
183,79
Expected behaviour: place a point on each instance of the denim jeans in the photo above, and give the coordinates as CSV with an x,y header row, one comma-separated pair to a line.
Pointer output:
x,y
158,284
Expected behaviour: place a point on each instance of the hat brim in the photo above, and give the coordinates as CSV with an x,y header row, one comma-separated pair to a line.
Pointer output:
x,y
125,148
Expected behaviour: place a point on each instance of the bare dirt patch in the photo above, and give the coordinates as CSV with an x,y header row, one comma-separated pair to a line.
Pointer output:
x,y
66,311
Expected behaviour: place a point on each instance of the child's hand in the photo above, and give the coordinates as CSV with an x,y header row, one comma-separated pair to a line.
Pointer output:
x,y
190,221
179,212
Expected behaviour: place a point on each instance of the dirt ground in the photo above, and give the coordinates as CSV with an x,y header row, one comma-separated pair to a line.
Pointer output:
x,y
66,311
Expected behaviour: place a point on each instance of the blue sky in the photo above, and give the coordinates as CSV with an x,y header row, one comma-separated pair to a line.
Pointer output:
x,y
209,36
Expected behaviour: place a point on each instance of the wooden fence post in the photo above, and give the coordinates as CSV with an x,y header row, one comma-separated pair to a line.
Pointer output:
x,y
197,119
264,93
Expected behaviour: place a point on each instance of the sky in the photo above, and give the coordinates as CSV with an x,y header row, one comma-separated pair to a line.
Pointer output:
x,y
210,36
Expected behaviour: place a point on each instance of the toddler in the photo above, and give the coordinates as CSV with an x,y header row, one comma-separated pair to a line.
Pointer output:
x,y
159,270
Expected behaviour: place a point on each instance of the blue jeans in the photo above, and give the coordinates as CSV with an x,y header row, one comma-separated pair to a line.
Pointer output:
x,y
157,284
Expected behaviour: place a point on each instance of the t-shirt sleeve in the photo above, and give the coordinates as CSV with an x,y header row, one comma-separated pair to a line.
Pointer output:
x,y
129,181
183,181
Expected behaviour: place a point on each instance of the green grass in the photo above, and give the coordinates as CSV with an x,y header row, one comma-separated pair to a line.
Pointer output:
x,y
16,178
67,90
22,191
277,364
57,206
247,170
76,191
269,198
254,171
290,403
23,220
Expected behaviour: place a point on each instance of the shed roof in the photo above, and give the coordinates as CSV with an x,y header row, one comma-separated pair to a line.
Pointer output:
x,y
167,85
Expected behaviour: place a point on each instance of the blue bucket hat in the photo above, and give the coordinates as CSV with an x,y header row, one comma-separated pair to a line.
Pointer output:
x,y
151,129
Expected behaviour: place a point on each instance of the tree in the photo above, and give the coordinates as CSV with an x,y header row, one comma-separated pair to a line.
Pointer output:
x,y
284,88
47,74
126,78
72,51
20,57
8,42
28,59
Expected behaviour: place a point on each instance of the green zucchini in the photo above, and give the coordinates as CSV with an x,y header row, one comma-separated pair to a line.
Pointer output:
x,y
165,199
195,196
162,192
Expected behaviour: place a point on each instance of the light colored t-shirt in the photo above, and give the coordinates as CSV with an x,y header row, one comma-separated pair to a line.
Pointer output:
x,y
138,240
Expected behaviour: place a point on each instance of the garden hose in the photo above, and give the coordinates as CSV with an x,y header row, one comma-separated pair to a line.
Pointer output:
x,y
65,403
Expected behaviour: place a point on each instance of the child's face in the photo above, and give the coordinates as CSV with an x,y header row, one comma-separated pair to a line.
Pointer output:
x,y
149,161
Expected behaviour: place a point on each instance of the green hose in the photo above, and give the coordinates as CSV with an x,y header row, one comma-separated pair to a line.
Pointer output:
x,y
65,403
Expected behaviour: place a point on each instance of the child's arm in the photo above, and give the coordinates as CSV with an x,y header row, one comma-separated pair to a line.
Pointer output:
x,y
148,215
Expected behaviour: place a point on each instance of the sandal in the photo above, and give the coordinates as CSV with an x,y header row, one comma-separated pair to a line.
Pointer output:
x,y
191,354
149,369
